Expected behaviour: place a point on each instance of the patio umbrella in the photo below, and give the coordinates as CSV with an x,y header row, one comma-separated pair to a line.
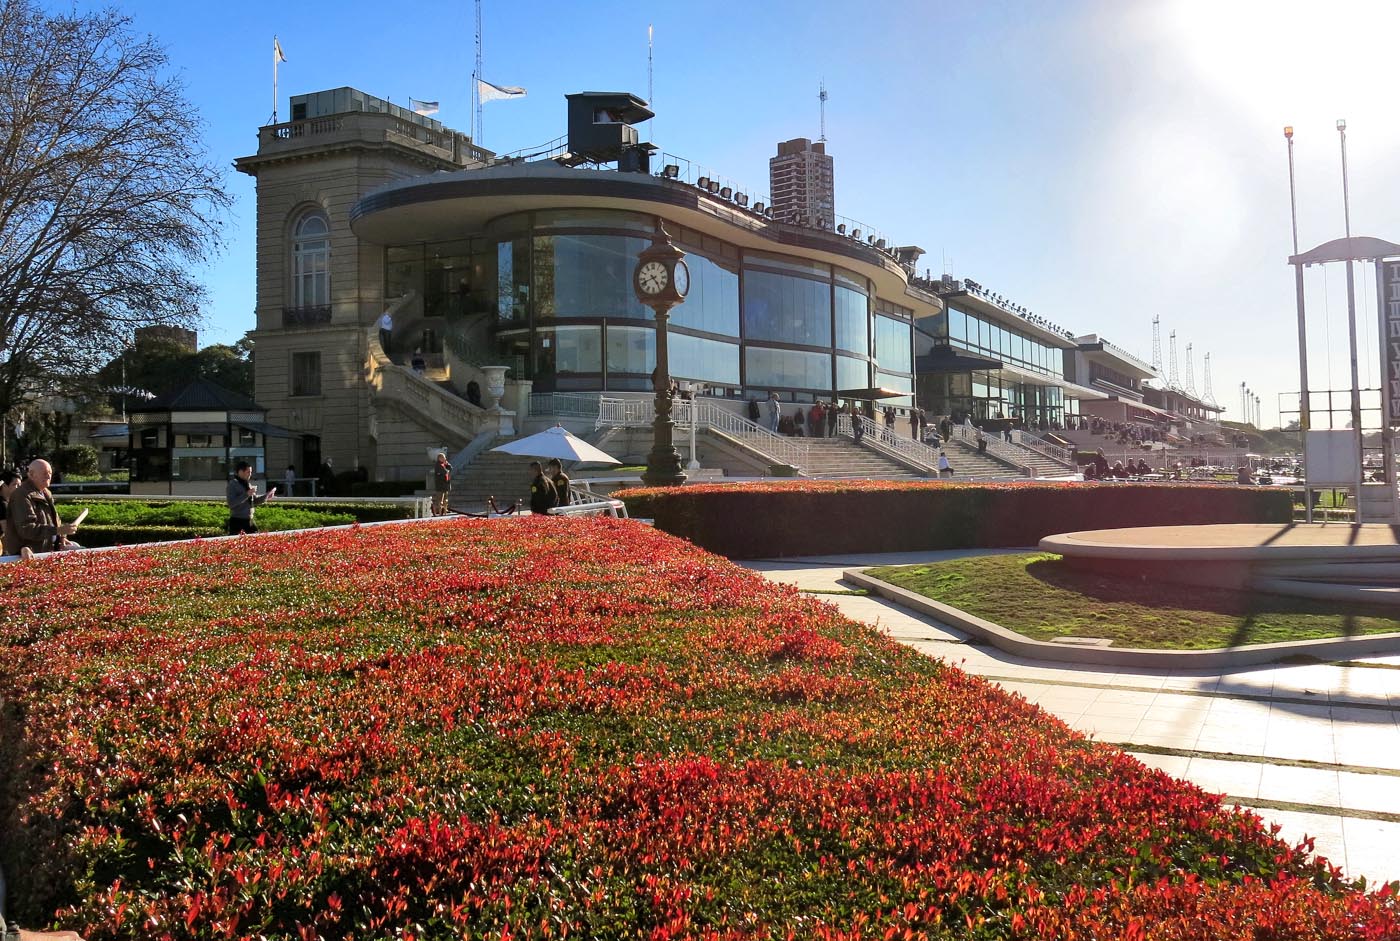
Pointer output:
x,y
557,442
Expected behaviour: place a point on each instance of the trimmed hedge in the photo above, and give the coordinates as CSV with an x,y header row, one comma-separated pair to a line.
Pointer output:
x,y
131,522
774,519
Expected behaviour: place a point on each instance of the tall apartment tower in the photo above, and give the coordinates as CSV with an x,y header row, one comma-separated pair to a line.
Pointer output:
x,y
801,185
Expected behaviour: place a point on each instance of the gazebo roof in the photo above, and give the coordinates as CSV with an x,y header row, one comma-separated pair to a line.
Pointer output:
x,y
200,396
1361,248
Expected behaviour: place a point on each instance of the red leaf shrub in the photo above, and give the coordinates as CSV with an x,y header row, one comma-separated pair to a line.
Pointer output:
x,y
817,517
568,728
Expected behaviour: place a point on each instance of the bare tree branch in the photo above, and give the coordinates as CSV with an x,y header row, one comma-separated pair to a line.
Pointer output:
x,y
107,196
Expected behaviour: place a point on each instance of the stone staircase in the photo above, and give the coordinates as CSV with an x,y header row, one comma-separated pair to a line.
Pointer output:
x,y
1042,465
968,463
491,474
841,457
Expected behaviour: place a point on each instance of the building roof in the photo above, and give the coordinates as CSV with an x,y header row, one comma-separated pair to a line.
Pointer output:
x,y
200,396
1358,247
1116,356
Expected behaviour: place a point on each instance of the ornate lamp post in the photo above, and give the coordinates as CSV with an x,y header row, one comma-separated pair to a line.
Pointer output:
x,y
661,280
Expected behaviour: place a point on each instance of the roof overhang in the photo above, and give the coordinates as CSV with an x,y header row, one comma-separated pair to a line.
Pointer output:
x,y
1356,248
949,359
1125,363
1006,318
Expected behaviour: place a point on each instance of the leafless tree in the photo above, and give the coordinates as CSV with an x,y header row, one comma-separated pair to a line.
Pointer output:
x,y
107,196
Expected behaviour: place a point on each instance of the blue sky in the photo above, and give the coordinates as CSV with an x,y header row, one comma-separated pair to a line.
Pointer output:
x,y
1098,162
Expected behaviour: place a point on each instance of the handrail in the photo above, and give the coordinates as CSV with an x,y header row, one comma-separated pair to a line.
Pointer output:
x,y
638,413
565,404
886,438
1045,448
996,447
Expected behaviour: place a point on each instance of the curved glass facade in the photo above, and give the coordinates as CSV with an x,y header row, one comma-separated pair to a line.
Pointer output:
x,y
550,293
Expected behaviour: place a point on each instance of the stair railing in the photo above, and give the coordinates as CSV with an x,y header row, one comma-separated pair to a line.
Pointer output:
x,y
1045,448
996,447
638,413
886,439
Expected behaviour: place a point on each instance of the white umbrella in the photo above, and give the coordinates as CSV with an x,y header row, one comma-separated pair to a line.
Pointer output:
x,y
557,442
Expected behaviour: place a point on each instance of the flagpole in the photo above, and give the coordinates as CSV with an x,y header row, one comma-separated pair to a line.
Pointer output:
x,y
651,95
274,78
476,81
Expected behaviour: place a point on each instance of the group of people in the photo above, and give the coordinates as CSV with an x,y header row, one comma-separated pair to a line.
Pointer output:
x,y
1098,468
29,523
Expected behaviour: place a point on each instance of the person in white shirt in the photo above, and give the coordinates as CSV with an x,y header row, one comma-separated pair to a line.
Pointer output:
x,y
944,468
289,479
386,330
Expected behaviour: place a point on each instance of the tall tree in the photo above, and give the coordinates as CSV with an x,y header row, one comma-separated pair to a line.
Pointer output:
x,y
107,196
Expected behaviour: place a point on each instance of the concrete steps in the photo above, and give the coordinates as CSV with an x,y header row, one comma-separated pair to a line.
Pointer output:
x,y
491,474
841,457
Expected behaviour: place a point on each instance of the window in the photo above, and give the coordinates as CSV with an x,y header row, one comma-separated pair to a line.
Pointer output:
x,y
787,309
311,262
787,369
852,321
892,350
702,359
631,350
587,276
306,374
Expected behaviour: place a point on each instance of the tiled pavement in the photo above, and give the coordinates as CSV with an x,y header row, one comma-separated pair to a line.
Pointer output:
x,y
1283,740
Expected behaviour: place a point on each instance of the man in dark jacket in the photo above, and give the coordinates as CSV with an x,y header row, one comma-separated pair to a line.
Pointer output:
x,y
442,484
543,496
31,522
242,498
554,470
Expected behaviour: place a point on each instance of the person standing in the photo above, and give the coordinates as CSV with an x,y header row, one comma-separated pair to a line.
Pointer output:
x,y
31,522
9,483
555,471
833,414
442,484
543,496
242,498
816,418
289,480
944,468
775,412
386,331
857,426
914,423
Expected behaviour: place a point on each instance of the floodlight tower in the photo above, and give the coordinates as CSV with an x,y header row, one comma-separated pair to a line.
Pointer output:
x,y
1173,377
1209,393
1244,418
1157,344
1190,373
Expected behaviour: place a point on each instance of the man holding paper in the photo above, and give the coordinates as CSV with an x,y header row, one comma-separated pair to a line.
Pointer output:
x,y
243,498
32,522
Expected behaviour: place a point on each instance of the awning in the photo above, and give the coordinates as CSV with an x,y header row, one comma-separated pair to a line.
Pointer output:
x,y
1153,412
875,392
199,428
947,359
272,431
111,431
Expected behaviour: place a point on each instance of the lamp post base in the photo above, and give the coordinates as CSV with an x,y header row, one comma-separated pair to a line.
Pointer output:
x,y
663,461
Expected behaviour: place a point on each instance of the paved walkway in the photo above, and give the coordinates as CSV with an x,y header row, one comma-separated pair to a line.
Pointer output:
x,y
1285,741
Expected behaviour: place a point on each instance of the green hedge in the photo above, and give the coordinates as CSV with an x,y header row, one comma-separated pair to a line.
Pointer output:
x,y
128,522
773,519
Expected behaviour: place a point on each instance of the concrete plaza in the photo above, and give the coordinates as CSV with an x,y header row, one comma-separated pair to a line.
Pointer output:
x,y
1314,748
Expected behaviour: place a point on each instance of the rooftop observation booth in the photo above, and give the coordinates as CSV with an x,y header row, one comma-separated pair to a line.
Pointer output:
x,y
188,441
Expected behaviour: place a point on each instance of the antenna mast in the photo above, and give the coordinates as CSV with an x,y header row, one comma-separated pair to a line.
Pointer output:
x,y
476,81
1173,377
1157,346
821,97
1209,393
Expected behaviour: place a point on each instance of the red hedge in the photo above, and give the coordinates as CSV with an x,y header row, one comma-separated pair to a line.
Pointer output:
x,y
773,519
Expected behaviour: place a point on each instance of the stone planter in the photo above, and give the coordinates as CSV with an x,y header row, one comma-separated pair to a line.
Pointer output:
x,y
495,384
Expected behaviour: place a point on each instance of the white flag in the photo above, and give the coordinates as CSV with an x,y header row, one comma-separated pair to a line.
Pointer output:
x,y
488,92
422,107
277,53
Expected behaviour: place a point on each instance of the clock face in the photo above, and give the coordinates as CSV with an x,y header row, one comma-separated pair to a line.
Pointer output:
x,y
652,278
681,277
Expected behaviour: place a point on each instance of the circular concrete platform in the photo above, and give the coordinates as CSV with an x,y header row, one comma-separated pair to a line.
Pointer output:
x,y
1338,561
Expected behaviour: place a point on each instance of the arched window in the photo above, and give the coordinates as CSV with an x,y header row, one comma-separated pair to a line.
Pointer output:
x,y
311,262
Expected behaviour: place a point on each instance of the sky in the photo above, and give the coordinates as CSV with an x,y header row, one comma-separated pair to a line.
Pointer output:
x,y
1100,163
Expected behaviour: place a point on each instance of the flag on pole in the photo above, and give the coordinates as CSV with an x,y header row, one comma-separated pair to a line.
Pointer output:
x,y
277,54
422,107
489,92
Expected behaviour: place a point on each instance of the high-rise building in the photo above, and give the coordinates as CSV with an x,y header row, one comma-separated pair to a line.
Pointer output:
x,y
800,179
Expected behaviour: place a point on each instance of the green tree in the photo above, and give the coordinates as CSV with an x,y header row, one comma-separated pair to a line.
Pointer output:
x,y
107,196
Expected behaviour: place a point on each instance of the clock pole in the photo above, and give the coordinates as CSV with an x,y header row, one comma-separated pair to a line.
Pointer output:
x,y
661,292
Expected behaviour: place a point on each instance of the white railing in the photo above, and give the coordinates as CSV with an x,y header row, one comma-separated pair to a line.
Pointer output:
x,y
996,447
638,413
624,413
887,438
1041,446
565,404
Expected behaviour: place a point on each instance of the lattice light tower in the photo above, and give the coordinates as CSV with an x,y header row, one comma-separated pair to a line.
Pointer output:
x,y
1209,394
1173,377
1190,373
1157,344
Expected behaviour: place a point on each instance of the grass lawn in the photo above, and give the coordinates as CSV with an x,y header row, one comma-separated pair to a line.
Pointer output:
x,y
1037,595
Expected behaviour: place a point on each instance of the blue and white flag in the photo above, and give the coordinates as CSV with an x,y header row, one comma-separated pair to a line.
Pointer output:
x,y
422,107
488,92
